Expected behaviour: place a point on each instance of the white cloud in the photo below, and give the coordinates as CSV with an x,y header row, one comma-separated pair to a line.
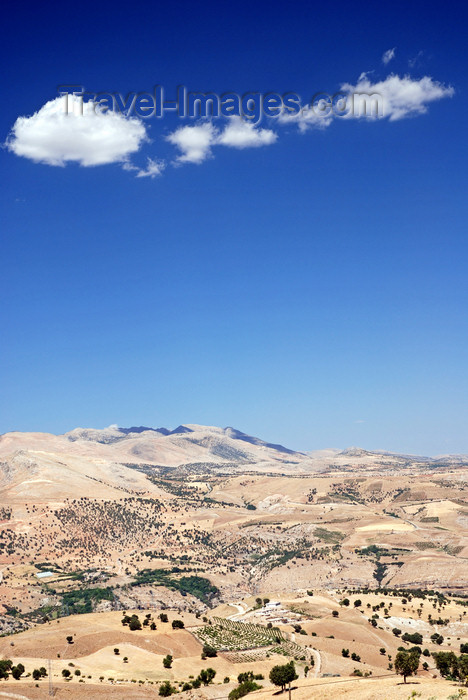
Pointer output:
x,y
388,55
307,118
99,137
196,142
153,168
416,60
242,134
401,96
93,138
397,97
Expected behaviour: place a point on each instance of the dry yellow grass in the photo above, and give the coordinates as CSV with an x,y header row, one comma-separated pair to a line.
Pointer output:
x,y
365,689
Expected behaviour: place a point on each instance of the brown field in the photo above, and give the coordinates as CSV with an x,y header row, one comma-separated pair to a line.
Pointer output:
x,y
209,508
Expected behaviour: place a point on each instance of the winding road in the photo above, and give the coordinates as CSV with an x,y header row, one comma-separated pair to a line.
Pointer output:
x,y
318,662
242,608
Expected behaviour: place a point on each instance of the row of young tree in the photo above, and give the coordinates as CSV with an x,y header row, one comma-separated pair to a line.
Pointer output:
x,y
205,677
7,668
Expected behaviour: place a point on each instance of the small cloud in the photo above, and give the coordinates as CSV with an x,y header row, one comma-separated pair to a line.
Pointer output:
x,y
416,60
307,118
242,134
153,168
92,138
388,55
196,142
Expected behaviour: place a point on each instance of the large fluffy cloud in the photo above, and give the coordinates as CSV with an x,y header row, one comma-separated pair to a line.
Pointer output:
x,y
401,96
196,142
394,98
56,137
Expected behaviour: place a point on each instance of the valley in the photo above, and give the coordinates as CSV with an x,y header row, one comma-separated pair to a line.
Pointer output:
x,y
234,537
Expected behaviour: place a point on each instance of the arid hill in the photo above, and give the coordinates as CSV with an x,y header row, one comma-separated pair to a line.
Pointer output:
x,y
205,522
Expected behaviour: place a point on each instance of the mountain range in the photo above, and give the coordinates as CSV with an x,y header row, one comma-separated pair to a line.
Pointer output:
x,y
43,465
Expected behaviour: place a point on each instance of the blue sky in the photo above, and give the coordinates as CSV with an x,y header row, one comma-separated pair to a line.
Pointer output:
x,y
310,288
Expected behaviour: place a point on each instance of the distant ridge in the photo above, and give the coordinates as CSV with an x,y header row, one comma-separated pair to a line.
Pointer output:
x,y
238,435
115,433
143,429
355,452
180,430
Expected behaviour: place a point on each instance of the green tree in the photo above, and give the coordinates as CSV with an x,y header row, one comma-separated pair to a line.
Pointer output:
x,y
437,638
245,676
414,638
209,651
134,623
167,661
206,675
5,667
406,663
243,689
17,671
463,668
282,675
446,663
166,689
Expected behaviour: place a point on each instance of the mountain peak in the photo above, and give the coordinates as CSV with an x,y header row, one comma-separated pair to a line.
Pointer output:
x,y
355,452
